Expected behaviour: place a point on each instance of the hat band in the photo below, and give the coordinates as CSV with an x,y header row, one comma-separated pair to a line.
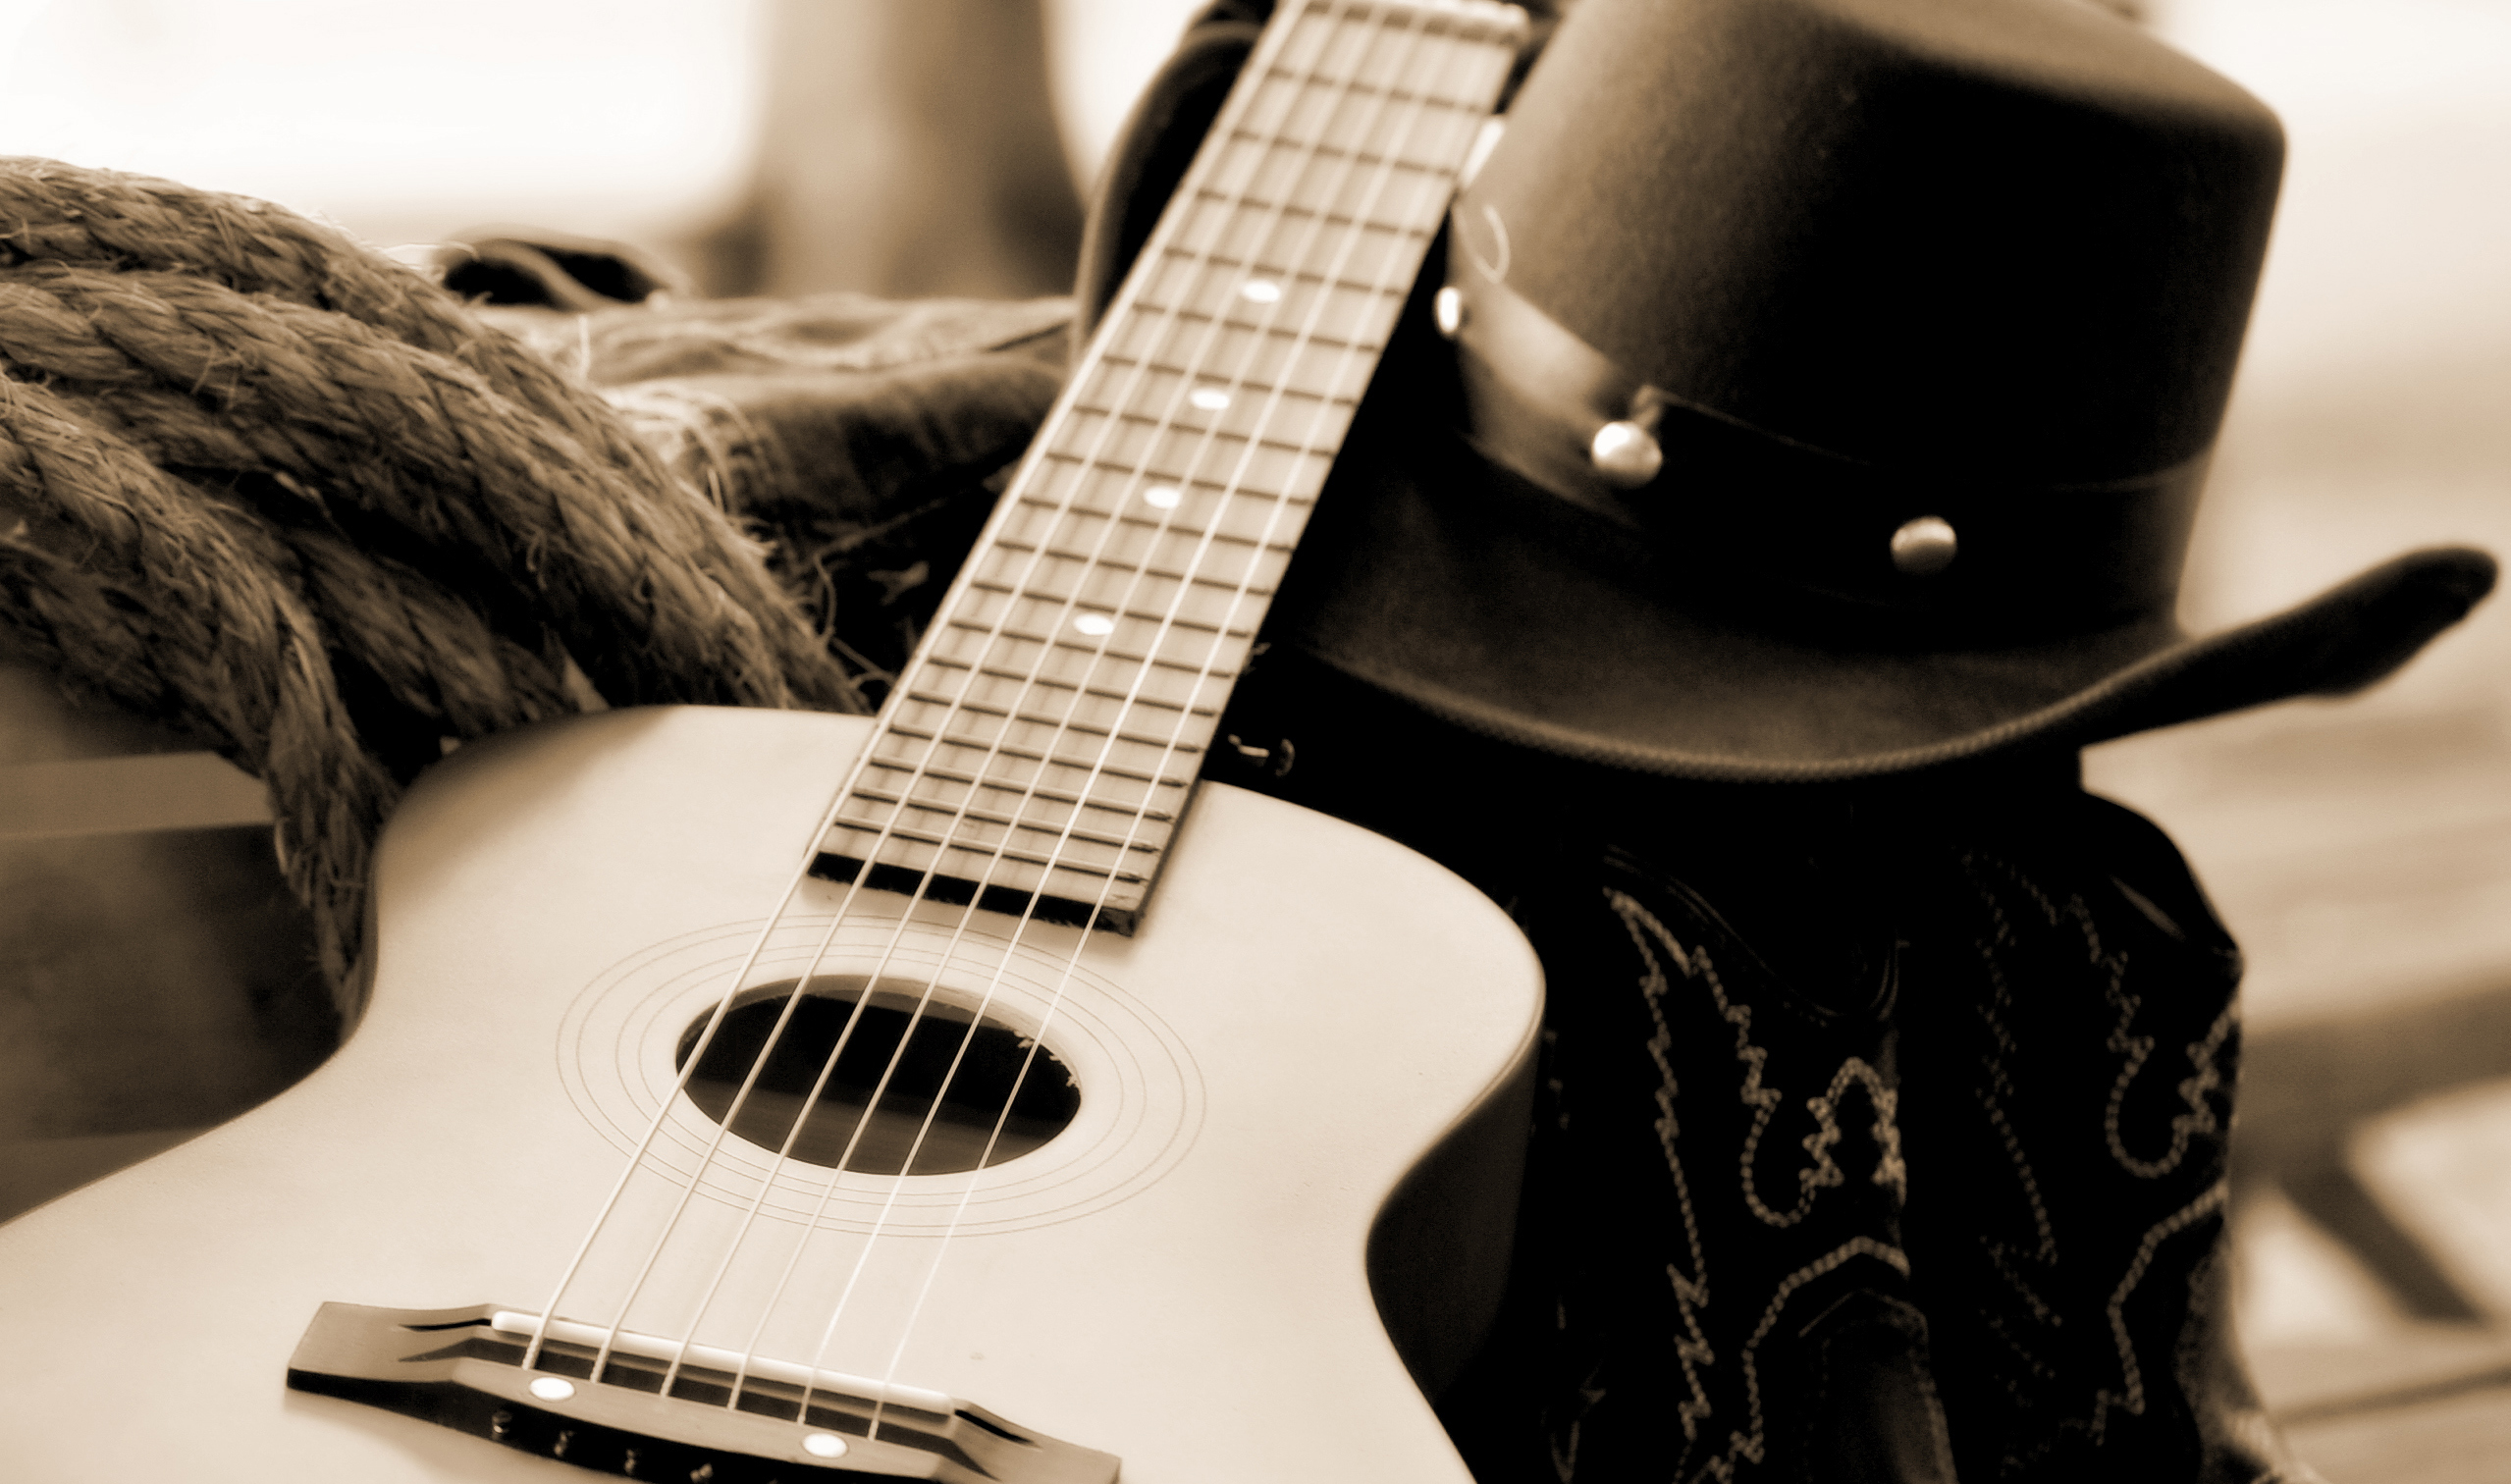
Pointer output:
x,y
1762,516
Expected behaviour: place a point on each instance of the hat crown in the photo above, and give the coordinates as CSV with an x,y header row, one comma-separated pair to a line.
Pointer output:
x,y
2014,239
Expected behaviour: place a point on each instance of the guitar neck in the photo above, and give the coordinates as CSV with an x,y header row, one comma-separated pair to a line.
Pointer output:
x,y
1037,751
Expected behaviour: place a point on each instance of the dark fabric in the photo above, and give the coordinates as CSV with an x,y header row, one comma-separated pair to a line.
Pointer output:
x,y
861,438
530,265
1881,1126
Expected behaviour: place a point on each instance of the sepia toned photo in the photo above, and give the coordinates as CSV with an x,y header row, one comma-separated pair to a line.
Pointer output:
x,y
1057,741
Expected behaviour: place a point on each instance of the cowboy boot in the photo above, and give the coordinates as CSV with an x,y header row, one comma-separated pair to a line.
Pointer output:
x,y
1717,1194
2069,1038
1708,1281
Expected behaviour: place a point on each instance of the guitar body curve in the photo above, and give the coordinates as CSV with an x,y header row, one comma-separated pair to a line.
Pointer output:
x,y
1307,1015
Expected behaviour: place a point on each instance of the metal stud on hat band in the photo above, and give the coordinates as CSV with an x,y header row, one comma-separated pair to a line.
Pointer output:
x,y
1924,546
1625,454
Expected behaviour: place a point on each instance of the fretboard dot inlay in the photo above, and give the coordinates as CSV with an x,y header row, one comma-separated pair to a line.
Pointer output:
x,y
1209,399
1095,623
1260,291
1166,497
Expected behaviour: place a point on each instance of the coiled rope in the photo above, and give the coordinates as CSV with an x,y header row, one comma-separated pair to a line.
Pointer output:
x,y
274,490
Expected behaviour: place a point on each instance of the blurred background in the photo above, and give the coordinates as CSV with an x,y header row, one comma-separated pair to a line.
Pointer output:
x,y
2359,851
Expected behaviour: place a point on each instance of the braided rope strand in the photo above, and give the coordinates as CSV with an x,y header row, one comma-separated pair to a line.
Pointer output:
x,y
54,212
463,467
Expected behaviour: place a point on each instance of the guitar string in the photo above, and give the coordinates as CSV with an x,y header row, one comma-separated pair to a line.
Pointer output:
x,y
688,1069
1462,62
1303,261
1002,961
552,1309
1065,507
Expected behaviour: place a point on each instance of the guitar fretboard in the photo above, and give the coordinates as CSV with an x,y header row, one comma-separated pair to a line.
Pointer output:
x,y
1040,747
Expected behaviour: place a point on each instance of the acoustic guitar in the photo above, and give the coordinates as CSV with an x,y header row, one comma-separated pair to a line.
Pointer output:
x,y
766,1096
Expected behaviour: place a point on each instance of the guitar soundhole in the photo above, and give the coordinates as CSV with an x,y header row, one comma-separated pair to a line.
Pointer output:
x,y
961,1125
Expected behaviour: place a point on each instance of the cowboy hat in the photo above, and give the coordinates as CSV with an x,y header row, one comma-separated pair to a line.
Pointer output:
x,y
1823,388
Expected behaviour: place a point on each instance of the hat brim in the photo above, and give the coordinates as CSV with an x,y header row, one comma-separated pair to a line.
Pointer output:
x,y
1434,574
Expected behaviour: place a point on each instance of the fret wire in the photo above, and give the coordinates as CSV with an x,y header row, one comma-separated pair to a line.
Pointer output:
x,y
903,836
1100,692
1279,444
1036,720
905,832
1276,548
1179,457
1303,276
1196,580
1185,375
1002,820
1120,772
1159,817
1162,290
1245,545
1429,103
1077,469
1299,214
1069,801
1088,571
1204,711
1197,317
1294,209
1031,755
1337,152
1275,181
1058,642
1189,486
1192,624
1322,280
1350,395
1148,770
967,779
1266,261
1125,808
963,831
969,739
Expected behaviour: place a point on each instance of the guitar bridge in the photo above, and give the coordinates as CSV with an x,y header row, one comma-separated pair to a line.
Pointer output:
x,y
776,1424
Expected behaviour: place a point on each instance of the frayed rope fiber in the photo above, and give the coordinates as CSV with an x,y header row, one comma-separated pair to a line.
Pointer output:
x,y
272,489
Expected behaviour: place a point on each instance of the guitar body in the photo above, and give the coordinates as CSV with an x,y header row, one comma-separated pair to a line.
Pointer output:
x,y
1264,1164
1305,1061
